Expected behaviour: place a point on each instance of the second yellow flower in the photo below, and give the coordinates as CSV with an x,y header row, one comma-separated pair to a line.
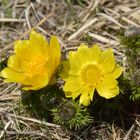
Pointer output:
x,y
90,69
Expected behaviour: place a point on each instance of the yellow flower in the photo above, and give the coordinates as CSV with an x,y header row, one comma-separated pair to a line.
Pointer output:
x,y
89,69
34,63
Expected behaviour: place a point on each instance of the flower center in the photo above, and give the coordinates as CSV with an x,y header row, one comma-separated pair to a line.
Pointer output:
x,y
91,74
36,66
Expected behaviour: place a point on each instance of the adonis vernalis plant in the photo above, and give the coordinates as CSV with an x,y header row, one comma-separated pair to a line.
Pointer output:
x,y
34,62
71,114
90,69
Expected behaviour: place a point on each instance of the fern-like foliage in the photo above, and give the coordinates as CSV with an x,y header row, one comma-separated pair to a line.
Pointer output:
x,y
135,94
71,115
131,46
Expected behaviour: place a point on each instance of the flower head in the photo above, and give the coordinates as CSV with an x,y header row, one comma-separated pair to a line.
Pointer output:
x,y
34,63
89,69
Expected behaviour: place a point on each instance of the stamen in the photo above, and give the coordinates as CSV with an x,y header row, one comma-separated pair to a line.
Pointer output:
x,y
91,74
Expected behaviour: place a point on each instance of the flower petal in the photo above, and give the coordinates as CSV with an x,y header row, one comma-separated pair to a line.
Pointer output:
x,y
116,73
76,93
83,54
108,88
23,51
108,93
79,59
36,82
85,99
86,96
95,53
107,60
38,43
91,93
55,50
72,84
14,63
12,76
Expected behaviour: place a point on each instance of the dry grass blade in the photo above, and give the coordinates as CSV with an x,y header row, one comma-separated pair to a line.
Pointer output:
x,y
28,133
41,22
103,39
11,20
129,132
111,19
36,121
84,27
5,128
130,22
92,7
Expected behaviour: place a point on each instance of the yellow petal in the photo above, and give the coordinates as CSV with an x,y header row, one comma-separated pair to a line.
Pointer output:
x,y
87,95
12,76
29,49
55,56
83,55
85,99
72,84
109,81
107,60
55,50
71,54
79,59
75,67
50,68
14,63
37,39
108,88
108,93
95,52
116,73
23,50
91,93
76,93
38,43
36,82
